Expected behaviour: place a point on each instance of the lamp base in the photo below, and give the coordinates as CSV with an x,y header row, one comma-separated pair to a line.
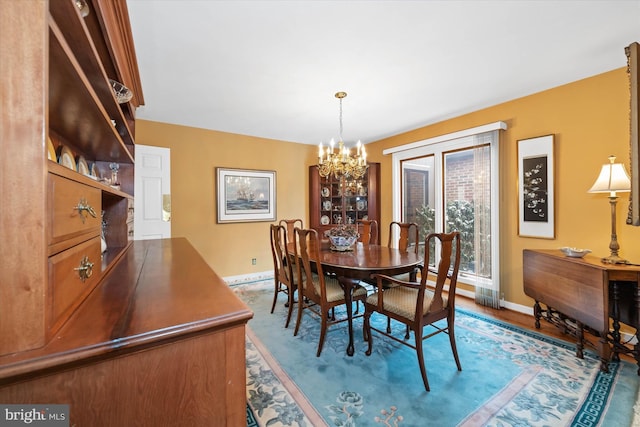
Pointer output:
x,y
614,259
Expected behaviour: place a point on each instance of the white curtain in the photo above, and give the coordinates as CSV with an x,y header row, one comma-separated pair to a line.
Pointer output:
x,y
487,291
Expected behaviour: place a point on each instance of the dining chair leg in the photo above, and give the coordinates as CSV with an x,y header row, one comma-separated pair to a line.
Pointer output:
x,y
388,324
366,331
454,349
323,333
275,295
290,306
301,307
420,351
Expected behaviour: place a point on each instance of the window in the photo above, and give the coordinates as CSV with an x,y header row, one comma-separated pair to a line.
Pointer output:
x,y
451,183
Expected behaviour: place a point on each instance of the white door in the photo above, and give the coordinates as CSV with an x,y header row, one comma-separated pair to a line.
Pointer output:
x,y
152,192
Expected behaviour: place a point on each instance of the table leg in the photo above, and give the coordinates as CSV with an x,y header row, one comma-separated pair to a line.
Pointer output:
x,y
616,322
348,285
636,347
580,342
536,313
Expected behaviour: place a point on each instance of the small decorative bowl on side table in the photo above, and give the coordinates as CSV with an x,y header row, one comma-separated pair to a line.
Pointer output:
x,y
574,252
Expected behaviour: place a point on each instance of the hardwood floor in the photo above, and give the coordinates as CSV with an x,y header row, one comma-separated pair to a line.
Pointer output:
x,y
521,320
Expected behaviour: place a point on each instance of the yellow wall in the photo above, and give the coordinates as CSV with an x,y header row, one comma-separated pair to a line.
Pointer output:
x,y
589,119
195,153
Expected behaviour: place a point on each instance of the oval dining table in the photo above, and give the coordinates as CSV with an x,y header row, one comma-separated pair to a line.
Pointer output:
x,y
359,264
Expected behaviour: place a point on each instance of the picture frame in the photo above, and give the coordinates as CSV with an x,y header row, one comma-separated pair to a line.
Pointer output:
x,y
245,195
633,72
536,187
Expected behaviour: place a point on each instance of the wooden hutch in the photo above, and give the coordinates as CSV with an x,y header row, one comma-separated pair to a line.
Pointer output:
x,y
142,333
334,201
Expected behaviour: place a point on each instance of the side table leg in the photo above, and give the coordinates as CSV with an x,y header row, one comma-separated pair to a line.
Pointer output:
x,y
616,322
580,340
604,350
636,347
536,313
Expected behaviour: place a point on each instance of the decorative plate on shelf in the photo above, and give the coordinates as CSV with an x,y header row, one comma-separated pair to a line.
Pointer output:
x,y
93,171
83,168
324,220
51,152
325,192
66,158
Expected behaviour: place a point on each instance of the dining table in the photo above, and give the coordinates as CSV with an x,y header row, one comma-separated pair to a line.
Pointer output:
x,y
358,264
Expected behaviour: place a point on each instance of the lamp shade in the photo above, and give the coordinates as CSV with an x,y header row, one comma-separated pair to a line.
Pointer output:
x,y
613,177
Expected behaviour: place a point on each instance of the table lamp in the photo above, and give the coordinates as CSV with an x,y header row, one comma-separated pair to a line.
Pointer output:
x,y
613,178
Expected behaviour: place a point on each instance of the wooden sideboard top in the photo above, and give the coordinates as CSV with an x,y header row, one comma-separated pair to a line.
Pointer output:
x,y
589,259
160,291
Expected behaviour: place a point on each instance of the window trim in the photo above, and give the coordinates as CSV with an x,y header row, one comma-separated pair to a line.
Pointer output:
x,y
413,150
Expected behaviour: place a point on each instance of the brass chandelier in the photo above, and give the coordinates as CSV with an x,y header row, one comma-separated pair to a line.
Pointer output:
x,y
341,163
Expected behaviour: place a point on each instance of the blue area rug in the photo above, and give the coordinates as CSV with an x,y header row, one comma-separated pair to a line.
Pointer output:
x,y
509,377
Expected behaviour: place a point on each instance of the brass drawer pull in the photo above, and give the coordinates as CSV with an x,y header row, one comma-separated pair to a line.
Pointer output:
x,y
83,205
86,268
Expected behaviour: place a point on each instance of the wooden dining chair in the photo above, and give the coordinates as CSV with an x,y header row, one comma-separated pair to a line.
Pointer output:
x,y
318,292
404,236
290,224
416,306
368,229
284,278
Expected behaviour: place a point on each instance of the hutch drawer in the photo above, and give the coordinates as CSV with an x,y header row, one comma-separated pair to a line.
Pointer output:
x,y
73,274
75,209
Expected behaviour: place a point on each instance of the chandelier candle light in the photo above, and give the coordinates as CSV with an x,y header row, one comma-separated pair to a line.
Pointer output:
x,y
341,163
613,178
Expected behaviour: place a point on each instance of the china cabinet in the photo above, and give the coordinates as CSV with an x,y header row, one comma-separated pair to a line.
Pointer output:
x,y
336,201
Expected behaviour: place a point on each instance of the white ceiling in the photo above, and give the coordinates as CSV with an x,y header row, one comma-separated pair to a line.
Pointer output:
x,y
271,68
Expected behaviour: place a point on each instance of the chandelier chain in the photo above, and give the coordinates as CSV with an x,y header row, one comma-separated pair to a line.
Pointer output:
x,y
341,120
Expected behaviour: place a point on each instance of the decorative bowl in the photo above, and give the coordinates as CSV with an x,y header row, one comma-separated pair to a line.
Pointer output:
x,y
342,244
575,252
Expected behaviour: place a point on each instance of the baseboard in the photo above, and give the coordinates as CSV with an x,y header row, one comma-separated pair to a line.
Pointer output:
x,y
248,278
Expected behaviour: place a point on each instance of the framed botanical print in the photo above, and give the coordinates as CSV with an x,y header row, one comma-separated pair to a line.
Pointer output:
x,y
536,187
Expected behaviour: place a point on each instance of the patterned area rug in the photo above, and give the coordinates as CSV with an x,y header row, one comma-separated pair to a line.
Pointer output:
x,y
510,376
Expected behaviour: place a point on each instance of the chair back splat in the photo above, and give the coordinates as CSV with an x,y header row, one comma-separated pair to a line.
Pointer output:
x,y
318,293
290,225
412,304
368,229
407,237
284,278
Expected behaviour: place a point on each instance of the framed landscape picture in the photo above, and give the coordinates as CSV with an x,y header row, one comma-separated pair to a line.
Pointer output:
x,y
245,195
536,195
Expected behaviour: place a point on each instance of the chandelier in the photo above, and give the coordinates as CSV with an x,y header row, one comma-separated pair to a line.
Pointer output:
x,y
341,163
